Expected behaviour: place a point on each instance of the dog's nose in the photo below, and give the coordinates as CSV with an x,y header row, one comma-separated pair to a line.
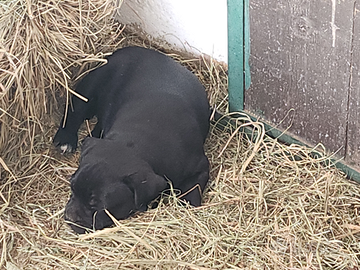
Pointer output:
x,y
74,221
74,218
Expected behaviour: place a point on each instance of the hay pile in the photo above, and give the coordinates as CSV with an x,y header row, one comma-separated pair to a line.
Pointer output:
x,y
264,209
44,47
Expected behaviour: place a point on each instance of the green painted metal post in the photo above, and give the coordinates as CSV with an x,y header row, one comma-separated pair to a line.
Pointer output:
x,y
235,56
238,52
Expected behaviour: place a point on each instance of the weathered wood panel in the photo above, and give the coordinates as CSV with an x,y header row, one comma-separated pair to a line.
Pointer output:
x,y
353,143
300,51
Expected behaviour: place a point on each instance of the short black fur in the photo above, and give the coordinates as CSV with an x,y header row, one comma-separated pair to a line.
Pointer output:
x,y
153,119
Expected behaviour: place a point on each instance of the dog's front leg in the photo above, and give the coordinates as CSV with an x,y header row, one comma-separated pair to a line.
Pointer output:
x,y
67,135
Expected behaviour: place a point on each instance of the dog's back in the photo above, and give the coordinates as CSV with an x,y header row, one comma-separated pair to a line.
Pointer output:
x,y
136,78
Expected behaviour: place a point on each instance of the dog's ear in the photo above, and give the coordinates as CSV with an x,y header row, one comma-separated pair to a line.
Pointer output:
x,y
146,187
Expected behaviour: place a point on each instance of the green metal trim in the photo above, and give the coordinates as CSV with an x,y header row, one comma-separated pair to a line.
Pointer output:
x,y
236,55
238,52
287,139
282,137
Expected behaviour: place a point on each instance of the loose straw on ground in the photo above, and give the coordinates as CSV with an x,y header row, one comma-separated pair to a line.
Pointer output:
x,y
264,208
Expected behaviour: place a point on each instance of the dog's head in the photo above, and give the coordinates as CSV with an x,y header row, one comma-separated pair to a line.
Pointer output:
x,y
109,179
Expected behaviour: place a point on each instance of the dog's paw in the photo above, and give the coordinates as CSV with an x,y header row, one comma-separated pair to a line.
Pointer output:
x,y
66,148
65,141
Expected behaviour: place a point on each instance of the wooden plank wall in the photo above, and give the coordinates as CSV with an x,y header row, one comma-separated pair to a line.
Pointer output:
x,y
301,55
353,143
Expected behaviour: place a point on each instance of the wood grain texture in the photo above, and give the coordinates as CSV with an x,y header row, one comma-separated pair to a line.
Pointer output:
x,y
300,51
353,138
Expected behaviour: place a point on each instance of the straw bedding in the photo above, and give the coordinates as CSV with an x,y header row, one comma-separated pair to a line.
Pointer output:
x,y
265,207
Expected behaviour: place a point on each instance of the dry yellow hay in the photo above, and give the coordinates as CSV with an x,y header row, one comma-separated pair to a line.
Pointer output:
x,y
42,44
264,208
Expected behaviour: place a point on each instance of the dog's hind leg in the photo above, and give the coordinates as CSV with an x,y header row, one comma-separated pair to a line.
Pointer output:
x,y
193,194
193,190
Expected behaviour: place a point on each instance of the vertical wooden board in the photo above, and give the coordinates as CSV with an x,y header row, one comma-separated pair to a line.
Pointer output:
x,y
300,50
353,143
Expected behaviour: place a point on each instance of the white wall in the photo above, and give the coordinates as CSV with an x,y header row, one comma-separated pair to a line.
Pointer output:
x,y
195,26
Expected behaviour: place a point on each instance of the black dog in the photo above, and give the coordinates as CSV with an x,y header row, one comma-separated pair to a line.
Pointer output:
x,y
153,118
